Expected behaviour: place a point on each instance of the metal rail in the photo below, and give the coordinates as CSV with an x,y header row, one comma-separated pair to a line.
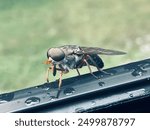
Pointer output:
x,y
125,89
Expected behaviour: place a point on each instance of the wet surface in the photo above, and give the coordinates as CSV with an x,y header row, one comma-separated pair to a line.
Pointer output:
x,y
83,90
145,65
138,72
46,87
6,97
101,84
79,110
52,98
69,91
93,103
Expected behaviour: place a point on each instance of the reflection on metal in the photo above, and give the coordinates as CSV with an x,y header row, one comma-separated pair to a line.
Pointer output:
x,y
127,89
136,93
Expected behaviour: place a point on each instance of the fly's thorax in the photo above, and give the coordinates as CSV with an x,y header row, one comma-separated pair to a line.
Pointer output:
x,y
78,58
71,61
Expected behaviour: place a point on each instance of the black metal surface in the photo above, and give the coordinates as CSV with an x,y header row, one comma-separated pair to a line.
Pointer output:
x,y
125,89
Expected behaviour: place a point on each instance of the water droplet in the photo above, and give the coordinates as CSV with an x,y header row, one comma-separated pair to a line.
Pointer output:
x,y
37,87
32,101
18,101
131,95
101,76
101,83
93,103
138,72
48,94
52,98
46,88
3,101
6,97
79,110
69,91
29,93
112,72
146,65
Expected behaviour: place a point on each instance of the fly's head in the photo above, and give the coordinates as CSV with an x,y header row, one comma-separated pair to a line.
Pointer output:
x,y
54,56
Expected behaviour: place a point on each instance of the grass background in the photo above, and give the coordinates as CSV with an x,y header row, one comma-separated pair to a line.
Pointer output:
x,y
29,27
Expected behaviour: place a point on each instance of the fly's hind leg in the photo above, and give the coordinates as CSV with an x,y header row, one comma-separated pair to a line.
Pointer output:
x,y
95,64
90,69
78,72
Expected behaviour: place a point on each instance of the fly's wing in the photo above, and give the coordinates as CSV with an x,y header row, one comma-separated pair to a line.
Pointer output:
x,y
101,51
70,49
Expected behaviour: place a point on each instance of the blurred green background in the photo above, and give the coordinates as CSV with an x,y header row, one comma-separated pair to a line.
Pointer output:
x,y
29,27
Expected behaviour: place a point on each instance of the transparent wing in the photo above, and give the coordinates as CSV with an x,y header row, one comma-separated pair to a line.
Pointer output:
x,y
101,51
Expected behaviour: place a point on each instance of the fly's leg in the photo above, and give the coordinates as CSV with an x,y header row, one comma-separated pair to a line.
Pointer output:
x,y
47,73
90,68
99,69
95,64
78,72
60,80
58,93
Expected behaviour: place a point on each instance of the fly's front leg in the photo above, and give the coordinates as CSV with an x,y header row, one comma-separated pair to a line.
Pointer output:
x,y
47,73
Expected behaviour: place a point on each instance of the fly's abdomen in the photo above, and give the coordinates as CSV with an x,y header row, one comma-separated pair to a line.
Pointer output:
x,y
97,60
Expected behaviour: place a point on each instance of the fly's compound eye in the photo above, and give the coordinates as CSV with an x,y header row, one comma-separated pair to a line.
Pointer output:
x,y
56,54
